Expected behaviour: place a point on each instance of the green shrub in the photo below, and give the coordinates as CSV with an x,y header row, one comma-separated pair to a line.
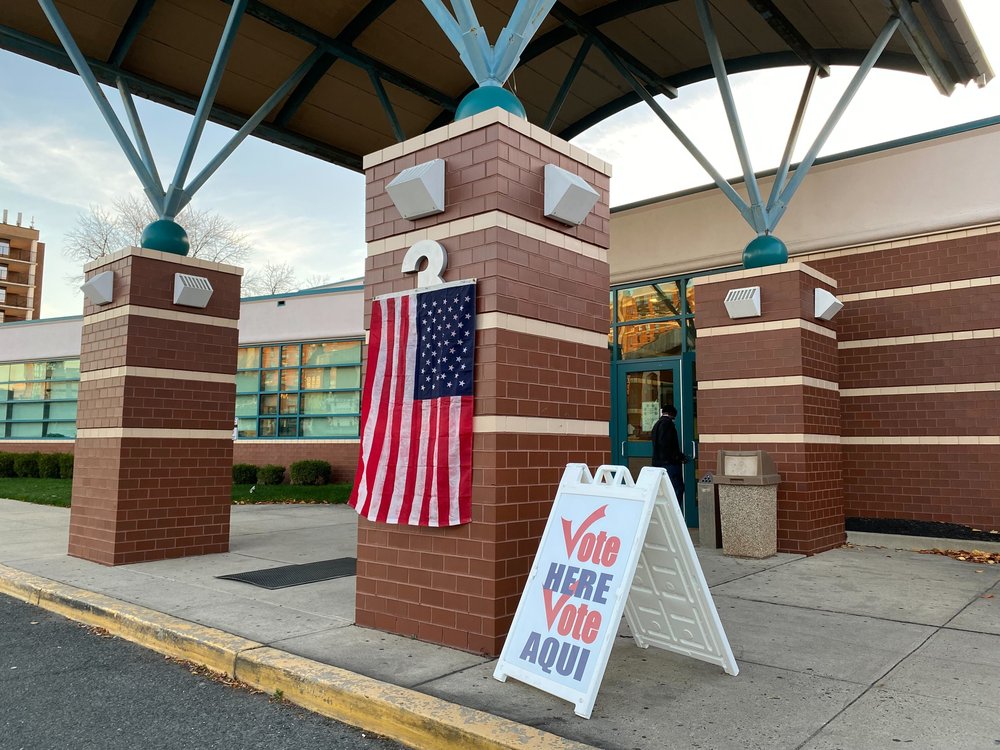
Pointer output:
x,y
48,465
270,474
244,474
7,464
310,472
26,465
65,465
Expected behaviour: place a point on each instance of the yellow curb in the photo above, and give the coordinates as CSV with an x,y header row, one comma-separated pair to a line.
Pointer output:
x,y
154,630
415,719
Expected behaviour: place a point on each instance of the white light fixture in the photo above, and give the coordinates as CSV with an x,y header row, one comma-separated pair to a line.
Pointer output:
x,y
826,305
568,197
419,191
192,291
743,303
99,289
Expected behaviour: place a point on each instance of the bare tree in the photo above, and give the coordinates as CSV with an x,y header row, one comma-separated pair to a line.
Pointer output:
x,y
271,278
314,280
102,231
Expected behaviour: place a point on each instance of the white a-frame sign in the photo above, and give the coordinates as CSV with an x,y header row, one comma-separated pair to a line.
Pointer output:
x,y
610,546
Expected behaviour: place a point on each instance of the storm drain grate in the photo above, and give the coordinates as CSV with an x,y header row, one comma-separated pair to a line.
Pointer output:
x,y
296,575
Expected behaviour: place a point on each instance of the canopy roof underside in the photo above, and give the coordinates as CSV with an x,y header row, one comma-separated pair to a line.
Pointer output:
x,y
163,50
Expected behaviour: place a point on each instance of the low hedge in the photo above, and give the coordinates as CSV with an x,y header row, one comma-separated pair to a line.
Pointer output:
x,y
7,465
26,465
65,465
244,474
310,472
48,465
270,474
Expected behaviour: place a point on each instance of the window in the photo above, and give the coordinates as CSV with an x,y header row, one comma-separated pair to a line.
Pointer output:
x,y
308,390
4,247
3,295
653,320
38,399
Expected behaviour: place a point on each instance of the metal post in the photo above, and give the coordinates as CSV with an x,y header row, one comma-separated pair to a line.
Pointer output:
x,y
87,75
867,64
793,137
140,135
524,22
757,209
383,97
716,176
567,83
476,59
174,197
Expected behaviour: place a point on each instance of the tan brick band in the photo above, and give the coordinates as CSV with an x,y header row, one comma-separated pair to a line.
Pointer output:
x,y
749,274
775,382
771,325
534,327
920,390
488,220
141,432
767,437
153,312
922,338
144,252
156,372
906,291
901,242
539,426
781,438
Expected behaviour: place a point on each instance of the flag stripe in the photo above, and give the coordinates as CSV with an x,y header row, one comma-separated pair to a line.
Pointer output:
x,y
381,408
375,346
387,471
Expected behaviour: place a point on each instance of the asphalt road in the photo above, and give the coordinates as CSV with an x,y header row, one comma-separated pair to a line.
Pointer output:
x,y
63,685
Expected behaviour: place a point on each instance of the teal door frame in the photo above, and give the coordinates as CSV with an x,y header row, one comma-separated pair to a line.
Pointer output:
x,y
622,449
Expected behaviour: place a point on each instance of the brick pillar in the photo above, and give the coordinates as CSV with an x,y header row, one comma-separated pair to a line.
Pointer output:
x,y
542,388
153,469
771,383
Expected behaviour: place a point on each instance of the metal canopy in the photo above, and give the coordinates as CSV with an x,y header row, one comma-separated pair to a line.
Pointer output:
x,y
383,69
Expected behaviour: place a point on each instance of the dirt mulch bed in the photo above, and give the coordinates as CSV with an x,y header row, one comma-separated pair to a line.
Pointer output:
x,y
907,527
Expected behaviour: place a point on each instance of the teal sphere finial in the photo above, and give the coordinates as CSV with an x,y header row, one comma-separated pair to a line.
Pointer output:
x,y
487,97
166,236
765,250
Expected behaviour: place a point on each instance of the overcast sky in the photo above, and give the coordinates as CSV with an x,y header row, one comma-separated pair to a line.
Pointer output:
x,y
57,156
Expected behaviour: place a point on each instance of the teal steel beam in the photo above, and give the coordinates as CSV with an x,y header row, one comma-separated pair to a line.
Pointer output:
x,y
606,45
643,94
249,126
781,205
921,46
790,35
140,136
563,92
87,75
140,11
793,136
175,192
758,211
514,37
390,112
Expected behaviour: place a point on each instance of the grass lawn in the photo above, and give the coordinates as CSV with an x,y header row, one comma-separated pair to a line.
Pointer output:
x,y
58,491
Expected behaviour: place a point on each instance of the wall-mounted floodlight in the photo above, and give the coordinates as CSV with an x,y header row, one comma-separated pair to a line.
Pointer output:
x,y
99,289
419,191
568,197
826,305
192,291
743,303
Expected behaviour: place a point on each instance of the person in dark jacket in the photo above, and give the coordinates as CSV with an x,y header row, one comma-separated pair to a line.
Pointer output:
x,y
666,449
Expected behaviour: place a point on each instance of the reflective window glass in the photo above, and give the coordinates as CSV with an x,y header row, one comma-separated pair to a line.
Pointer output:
x,y
288,427
649,301
290,355
269,356
650,340
331,403
331,353
246,382
246,406
289,403
248,357
269,380
329,426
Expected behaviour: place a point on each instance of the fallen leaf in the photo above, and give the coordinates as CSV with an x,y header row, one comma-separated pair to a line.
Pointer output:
x,y
986,596
975,556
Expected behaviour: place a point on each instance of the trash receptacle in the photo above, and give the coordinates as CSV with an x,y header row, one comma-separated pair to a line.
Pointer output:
x,y
709,530
748,503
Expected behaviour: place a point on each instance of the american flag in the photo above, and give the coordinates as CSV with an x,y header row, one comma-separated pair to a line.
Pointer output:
x,y
415,465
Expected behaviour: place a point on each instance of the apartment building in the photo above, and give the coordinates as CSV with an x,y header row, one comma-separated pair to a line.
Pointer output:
x,y
21,260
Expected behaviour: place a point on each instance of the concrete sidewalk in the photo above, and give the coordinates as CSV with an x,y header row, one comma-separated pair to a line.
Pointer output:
x,y
862,647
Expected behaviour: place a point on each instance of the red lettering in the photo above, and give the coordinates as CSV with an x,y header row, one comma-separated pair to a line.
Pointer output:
x,y
572,539
550,610
591,627
611,551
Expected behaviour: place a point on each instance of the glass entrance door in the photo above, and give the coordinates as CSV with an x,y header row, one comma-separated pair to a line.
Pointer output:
x,y
640,389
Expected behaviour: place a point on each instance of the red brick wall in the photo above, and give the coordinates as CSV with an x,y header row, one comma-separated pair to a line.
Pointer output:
x,y
343,457
942,481
41,447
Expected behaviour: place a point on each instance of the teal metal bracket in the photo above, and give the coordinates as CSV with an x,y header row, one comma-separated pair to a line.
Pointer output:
x,y
165,234
490,65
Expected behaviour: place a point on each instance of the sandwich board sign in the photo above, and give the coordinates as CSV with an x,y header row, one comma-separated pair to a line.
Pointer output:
x,y
595,542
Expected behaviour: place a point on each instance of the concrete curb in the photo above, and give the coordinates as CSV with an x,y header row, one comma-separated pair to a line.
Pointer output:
x,y
899,541
415,719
